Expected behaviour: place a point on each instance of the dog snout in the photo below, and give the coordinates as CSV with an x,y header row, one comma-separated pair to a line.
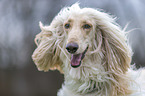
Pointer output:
x,y
72,47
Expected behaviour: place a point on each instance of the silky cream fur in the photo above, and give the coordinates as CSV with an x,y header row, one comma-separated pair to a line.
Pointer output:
x,y
105,70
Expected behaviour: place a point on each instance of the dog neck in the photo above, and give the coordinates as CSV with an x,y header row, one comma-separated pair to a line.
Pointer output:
x,y
84,87
86,79
89,79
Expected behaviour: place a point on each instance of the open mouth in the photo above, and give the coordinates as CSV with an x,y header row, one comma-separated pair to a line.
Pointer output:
x,y
77,58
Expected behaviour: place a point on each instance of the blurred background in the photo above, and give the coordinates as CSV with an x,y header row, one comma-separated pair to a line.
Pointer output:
x,y
19,25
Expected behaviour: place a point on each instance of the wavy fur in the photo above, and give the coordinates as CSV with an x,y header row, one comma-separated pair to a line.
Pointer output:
x,y
105,70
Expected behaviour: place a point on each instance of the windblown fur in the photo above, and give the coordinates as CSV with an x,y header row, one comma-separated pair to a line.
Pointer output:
x,y
105,69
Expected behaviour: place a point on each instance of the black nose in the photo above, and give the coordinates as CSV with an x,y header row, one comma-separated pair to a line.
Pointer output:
x,y
72,47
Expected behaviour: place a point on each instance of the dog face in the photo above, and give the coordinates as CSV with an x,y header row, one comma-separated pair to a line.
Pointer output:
x,y
79,30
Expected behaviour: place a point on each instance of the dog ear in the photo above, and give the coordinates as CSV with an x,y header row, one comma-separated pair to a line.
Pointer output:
x,y
117,54
46,55
116,51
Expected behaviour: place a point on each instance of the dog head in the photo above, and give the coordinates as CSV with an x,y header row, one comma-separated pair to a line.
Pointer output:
x,y
82,35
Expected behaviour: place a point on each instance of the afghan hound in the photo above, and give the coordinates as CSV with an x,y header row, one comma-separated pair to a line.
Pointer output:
x,y
92,52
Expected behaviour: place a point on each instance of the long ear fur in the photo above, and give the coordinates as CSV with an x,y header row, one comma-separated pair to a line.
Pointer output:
x,y
46,56
116,59
116,51
51,42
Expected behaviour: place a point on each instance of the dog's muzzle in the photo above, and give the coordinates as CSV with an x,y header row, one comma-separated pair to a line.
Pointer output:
x,y
75,58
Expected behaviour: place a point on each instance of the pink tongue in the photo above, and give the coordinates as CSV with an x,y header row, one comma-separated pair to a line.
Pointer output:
x,y
76,60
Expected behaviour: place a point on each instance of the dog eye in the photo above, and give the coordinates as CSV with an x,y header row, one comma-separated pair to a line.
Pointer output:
x,y
67,26
86,26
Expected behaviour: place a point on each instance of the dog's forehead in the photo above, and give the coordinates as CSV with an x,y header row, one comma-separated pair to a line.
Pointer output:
x,y
82,18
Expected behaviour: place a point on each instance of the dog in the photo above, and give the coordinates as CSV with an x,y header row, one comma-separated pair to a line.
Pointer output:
x,y
91,50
